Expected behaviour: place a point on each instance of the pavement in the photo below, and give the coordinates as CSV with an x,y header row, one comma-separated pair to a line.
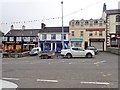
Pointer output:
x,y
33,72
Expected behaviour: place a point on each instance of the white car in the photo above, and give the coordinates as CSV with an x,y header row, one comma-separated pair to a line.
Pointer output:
x,y
77,52
35,51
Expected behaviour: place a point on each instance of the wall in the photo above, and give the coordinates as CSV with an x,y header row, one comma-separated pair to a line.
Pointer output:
x,y
58,36
113,50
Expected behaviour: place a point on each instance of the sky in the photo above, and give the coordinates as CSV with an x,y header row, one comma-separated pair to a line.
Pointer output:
x,y
32,13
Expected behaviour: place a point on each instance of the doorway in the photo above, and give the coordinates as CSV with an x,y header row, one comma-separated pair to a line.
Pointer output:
x,y
86,44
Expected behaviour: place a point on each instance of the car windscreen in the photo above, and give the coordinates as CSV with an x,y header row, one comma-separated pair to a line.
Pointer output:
x,y
33,50
91,48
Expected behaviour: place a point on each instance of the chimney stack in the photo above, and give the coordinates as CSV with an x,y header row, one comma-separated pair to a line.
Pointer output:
x,y
12,27
23,27
43,26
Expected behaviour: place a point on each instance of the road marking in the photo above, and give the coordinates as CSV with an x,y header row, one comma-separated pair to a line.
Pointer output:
x,y
43,80
100,83
16,79
99,62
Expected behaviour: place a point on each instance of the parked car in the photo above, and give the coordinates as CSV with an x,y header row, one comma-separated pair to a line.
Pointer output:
x,y
77,52
35,51
92,48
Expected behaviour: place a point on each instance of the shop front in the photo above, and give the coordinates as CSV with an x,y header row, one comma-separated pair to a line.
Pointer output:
x,y
98,43
52,45
76,42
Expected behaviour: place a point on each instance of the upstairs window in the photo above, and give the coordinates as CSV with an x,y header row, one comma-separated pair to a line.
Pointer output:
x,y
64,36
100,33
118,29
72,33
100,23
86,22
118,18
95,22
77,22
82,24
81,33
44,36
53,36
96,33
90,33
91,23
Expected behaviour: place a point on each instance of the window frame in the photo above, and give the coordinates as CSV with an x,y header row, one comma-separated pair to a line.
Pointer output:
x,y
44,36
81,33
72,33
53,36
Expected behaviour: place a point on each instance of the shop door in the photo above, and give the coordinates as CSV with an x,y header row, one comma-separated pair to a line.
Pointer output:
x,y
53,46
98,45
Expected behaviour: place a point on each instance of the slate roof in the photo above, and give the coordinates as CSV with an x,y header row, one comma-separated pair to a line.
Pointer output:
x,y
34,32
54,30
20,32
114,11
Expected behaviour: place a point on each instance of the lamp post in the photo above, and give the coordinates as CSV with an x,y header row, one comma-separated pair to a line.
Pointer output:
x,y
62,26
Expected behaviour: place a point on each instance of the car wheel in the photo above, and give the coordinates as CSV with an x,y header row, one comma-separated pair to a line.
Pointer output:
x,y
89,55
68,55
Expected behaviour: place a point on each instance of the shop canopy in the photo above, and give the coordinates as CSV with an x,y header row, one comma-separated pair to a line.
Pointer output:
x,y
77,40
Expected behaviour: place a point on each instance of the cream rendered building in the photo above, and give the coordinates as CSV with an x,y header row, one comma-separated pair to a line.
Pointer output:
x,y
91,32
86,33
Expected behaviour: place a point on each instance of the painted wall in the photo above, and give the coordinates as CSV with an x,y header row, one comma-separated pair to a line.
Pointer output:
x,y
58,36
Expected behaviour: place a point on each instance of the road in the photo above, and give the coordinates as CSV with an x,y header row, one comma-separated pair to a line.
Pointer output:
x,y
32,72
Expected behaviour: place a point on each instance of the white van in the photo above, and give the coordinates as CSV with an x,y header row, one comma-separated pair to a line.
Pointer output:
x,y
35,51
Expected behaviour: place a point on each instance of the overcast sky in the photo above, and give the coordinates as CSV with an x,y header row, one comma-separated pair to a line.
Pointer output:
x,y
34,11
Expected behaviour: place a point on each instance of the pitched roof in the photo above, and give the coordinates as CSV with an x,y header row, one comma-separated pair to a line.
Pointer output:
x,y
34,32
20,32
114,11
54,30
1,33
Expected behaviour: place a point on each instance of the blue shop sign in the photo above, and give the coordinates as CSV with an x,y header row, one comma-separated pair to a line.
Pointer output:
x,y
77,40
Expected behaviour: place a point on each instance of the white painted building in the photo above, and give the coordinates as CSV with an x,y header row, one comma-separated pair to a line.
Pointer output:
x,y
50,38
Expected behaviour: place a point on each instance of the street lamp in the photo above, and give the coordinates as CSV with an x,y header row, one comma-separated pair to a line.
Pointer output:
x,y
62,26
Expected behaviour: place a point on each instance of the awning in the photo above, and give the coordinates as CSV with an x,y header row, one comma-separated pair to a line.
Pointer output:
x,y
77,40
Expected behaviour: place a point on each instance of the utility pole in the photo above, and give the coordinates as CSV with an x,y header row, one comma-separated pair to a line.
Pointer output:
x,y
62,26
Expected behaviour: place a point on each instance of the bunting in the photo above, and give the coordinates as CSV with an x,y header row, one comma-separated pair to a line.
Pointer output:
x,y
54,18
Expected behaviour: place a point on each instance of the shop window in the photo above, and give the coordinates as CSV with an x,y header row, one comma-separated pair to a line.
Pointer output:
x,y
53,36
44,36
47,45
114,41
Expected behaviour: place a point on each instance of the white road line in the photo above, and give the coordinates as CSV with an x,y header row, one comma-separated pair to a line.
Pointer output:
x,y
16,79
100,83
99,62
43,80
